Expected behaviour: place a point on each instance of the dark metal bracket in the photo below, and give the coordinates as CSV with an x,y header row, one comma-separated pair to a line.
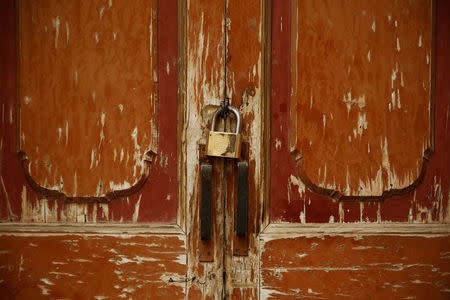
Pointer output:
x,y
242,199
205,209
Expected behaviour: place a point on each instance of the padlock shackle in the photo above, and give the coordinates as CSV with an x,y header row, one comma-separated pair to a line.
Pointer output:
x,y
214,117
236,113
238,118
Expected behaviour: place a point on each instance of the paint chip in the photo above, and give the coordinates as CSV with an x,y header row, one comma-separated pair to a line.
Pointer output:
x,y
56,24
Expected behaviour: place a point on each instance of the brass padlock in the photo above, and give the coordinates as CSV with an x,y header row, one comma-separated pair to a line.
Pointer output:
x,y
224,144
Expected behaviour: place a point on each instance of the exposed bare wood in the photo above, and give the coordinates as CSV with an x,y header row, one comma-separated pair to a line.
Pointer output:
x,y
296,229
100,228
205,85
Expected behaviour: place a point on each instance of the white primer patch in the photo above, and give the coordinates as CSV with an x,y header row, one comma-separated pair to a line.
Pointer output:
x,y
277,144
46,281
136,209
67,34
56,23
102,9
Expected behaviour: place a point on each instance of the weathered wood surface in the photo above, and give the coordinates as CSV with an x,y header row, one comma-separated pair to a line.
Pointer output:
x,y
210,28
67,50
204,44
291,199
245,87
307,264
88,94
111,264
361,104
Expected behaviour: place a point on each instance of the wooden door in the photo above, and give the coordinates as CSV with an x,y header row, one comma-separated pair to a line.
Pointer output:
x,y
89,162
359,161
105,107
105,111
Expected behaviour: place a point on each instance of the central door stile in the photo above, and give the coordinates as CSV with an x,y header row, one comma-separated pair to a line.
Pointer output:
x,y
246,27
203,39
224,53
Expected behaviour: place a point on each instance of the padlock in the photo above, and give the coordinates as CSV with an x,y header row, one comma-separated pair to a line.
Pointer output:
x,y
224,144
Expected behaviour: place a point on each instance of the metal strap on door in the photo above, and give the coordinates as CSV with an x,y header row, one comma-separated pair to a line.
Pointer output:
x,y
226,145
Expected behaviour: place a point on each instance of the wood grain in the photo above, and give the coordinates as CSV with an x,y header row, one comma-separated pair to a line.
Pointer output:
x,y
28,203
361,102
357,266
88,94
80,266
293,201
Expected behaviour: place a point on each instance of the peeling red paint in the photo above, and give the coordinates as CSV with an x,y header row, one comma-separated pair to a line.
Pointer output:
x,y
427,203
145,205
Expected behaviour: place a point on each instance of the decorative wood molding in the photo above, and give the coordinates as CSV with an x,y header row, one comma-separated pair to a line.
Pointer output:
x,y
48,193
288,230
103,229
344,198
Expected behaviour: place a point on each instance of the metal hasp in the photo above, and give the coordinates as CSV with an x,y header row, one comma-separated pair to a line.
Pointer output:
x,y
224,144
205,210
242,199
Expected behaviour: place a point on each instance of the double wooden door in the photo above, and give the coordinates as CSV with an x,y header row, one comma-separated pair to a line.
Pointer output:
x,y
106,107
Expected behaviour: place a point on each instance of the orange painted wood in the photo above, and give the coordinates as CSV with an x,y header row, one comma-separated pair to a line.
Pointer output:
x,y
357,267
88,94
292,201
19,200
361,93
82,266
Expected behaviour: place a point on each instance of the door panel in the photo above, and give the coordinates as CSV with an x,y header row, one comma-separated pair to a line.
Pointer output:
x,y
45,262
84,69
105,258
360,110
75,162
341,262
293,200
318,246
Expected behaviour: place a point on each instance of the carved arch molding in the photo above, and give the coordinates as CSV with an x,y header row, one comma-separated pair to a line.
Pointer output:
x,y
87,73
362,107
